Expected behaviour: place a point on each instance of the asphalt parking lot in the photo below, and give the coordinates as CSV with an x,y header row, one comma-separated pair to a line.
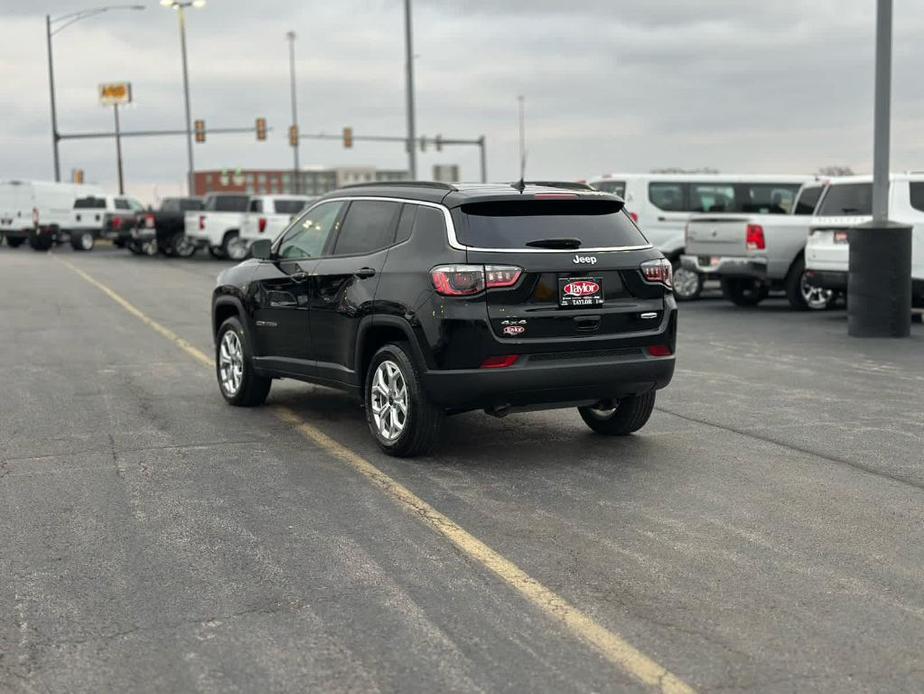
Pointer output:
x,y
765,531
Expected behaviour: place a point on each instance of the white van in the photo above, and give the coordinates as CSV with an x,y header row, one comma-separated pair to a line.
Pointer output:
x,y
848,202
661,204
38,211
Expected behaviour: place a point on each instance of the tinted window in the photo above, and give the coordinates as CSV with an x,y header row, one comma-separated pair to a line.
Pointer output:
x,y
765,198
180,204
289,206
847,200
808,200
308,235
406,222
227,203
256,205
431,221
122,204
513,224
90,204
611,186
667,196
369,226
712,197
917,195
188,204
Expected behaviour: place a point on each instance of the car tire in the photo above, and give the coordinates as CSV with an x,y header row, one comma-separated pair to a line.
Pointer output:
x,y
82,240
14,243
233,247
391,379
39,243
802,295
743,291
239,384
628,416
182,247
688,285
148,247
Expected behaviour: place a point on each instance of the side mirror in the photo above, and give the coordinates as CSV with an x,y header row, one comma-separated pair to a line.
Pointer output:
x,y
261,248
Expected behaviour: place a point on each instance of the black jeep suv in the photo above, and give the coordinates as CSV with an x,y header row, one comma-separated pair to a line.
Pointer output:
x,y
428,299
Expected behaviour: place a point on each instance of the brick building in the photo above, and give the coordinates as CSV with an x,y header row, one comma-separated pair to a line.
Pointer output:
x,y
313,180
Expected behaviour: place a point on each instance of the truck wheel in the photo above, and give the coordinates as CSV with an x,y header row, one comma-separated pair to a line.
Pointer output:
x,y
233,246
402,420
14,243
82,240
182,247
627,415
802,294
743,291
237,381
39,243
688,285
148,247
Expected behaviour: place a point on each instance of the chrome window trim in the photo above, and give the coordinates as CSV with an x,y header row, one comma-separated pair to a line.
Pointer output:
x,y
451,229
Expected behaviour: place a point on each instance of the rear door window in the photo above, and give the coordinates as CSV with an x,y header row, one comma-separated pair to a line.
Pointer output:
x,y
712,197
611,186
369,226
256,205
847,200
808,200
514,224
917,195
668,196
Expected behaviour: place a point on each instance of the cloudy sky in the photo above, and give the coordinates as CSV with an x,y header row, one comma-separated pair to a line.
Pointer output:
x,y
739,85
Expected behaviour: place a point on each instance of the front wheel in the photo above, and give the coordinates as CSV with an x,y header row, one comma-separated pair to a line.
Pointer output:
x,y
619,417
239,384
802,294
82,240
743,291
688,285
402,420
235,248
149,247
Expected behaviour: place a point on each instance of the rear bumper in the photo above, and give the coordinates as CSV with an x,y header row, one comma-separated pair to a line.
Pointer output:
x,y
726,266
828,279
539,381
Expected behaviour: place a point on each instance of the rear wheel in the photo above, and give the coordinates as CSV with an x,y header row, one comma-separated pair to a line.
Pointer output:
x,y
82,240
234,247
744,291
14,243
40,243
182,246
626,416
802,294
239,384
148,247
688,285
402,420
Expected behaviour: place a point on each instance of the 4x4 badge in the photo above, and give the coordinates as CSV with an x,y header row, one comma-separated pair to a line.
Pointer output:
x,y
584,260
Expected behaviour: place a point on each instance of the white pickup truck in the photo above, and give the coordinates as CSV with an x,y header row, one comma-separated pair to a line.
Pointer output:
x,y
267,215
752,254
848,202
218,224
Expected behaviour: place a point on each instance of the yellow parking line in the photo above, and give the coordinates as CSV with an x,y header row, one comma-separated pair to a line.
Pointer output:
x,y
608,643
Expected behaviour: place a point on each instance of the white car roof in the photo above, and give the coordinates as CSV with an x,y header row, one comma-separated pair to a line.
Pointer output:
x,y
725,178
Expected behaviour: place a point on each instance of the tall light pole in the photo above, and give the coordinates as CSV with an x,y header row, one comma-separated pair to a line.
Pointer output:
x,y
180,7
409,65
63,22
296,183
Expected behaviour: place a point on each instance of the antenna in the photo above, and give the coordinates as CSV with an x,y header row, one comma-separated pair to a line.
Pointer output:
x,y
522,107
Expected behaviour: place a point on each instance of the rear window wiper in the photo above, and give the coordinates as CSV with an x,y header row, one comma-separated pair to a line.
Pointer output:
x,y
555,243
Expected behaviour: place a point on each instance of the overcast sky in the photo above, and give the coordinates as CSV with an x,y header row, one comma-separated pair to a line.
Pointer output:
x,y
610,85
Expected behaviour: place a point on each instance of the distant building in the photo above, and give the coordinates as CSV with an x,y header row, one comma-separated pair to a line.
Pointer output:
x,y
313,180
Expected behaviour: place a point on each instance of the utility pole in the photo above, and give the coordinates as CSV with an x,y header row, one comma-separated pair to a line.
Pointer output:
x,y
191,167
409,65
296,182
522,108
54,113
879,281
118,142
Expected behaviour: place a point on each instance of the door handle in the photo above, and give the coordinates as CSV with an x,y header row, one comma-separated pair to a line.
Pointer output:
x,y
299,276
365,272
662,219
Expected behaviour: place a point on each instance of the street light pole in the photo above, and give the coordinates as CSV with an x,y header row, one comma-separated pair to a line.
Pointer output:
x,y
118,141
409,65
190,168
296,183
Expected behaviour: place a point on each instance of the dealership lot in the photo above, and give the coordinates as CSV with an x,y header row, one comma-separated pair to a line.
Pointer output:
x,y
764,531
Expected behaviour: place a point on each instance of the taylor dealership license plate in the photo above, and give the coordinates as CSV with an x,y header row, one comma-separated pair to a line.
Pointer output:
x,y
580,291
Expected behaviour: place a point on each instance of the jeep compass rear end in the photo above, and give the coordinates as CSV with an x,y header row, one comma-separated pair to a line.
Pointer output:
x,y
429,299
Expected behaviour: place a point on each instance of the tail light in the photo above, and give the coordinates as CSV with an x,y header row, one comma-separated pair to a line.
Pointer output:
x,y
501,362
634,216
658,271
755,238
35,216
201,222
466,280
149,221
659,350
116,222
261,224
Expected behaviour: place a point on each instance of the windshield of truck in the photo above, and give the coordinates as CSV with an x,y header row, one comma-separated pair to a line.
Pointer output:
x,y
847,200
90,203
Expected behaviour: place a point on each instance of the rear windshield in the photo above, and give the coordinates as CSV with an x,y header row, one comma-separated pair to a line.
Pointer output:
x,y
227,203
180,204
807,201
847,200
289,206
513,224
90,204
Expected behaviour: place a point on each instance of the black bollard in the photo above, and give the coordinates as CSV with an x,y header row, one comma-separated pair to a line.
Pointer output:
x,y
879,285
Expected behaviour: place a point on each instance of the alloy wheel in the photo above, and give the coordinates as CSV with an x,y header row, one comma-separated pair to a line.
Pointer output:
x,y
389,400
686,282
230,363
816,298
237,249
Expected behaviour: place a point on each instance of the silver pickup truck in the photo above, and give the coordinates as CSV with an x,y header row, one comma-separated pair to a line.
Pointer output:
x,y
752,254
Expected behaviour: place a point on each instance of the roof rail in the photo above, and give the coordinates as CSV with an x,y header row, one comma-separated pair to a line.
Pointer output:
x,y
403,184
567,185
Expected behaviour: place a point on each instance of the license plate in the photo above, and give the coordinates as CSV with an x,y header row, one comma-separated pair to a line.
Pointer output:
x,y
840,237
580,291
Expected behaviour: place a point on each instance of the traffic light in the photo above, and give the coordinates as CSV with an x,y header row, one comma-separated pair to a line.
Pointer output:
x,y
199,127
293,135
423,143
77,175
261,129
439,143
347,138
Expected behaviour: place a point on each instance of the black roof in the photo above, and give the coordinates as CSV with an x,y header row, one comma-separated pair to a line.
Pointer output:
x,y
455,194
